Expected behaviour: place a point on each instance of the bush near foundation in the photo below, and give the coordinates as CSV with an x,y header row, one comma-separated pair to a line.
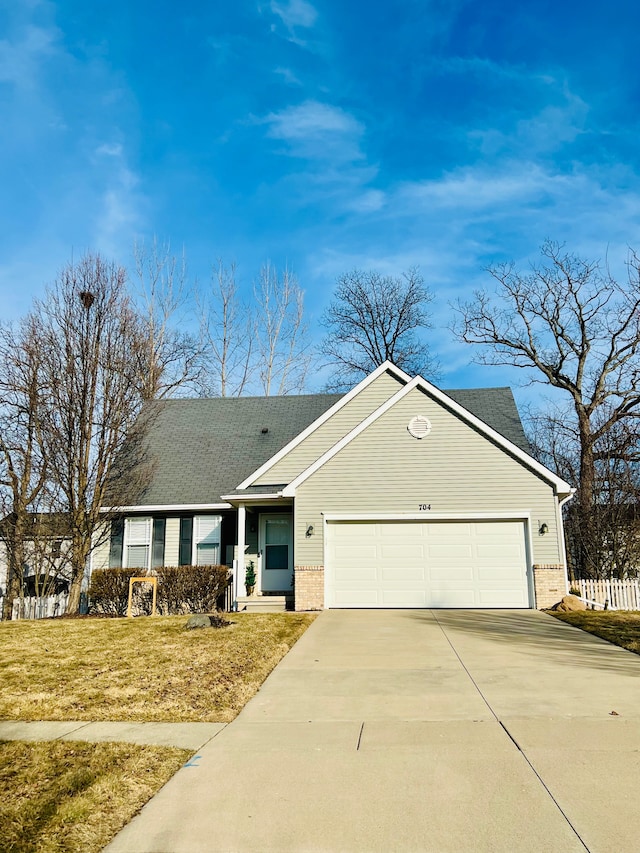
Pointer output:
x,y
181,589
190,589
109,591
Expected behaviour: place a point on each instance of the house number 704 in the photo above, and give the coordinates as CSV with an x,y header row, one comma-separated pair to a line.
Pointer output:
x,y
423,507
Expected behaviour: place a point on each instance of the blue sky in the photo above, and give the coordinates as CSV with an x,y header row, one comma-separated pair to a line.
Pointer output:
x,y
324,135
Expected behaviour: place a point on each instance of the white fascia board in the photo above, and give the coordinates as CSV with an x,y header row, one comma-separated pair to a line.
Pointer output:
x,y
560,487
164,507
501,515
271,496
400,374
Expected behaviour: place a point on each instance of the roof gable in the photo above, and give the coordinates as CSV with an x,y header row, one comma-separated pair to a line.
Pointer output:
x,y
330,427
446,400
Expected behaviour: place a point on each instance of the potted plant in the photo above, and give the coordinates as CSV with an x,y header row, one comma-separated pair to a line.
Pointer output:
x,y
250,578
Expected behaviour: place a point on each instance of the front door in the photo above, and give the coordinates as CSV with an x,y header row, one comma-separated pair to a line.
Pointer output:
x,y
276,543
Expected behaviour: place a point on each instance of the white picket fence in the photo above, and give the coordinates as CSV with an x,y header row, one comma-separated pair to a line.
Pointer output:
x,y
620,595
40,608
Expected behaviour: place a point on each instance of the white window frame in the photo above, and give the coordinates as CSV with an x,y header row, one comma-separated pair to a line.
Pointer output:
x,y
212,536
128,536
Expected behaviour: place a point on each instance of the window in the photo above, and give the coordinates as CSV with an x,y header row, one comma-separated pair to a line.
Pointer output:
x,y
137,543
206,540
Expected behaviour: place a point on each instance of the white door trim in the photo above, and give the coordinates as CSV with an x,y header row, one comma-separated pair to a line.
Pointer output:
x,y
264,517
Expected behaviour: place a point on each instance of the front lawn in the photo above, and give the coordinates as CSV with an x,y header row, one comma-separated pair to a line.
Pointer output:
x,y
621,627
74,797
143,669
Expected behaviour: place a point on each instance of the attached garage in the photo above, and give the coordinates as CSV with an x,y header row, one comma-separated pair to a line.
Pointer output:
x,y
427,563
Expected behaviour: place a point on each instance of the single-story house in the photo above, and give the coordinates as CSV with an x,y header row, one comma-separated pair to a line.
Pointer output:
x,y
396,494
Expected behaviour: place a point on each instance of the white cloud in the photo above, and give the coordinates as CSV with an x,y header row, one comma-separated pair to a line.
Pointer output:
x,y
110,149
369,201
475,189
288,76
21,59
314,130
295,13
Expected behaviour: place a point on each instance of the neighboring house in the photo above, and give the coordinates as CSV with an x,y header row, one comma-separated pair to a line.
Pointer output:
x,y
45,574
396,494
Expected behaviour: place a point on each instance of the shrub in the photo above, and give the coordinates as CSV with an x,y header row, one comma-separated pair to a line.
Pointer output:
x,y
190,589
109,590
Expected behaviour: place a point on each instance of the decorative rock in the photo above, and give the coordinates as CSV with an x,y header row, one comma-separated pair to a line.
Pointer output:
x,y
200,620
570,603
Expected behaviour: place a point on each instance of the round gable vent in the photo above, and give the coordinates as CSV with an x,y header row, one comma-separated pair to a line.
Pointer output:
x,y
419,427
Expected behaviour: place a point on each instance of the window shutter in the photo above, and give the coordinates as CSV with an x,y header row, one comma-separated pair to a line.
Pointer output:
x,y
186,534
157,554
117,540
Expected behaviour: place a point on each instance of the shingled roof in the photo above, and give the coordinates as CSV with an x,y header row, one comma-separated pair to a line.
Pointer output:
x,y
204,448
496,408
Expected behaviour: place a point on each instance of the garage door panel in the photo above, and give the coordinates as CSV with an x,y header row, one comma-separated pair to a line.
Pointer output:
x,y
402,552
427,564
449,575
357,574
451,598
501,552
449,551
398,530
357,598
356,552
398,574
404,598
496,574
502,598
444,531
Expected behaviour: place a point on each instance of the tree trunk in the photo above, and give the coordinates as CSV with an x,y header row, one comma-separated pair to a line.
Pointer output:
x,y
586,550
14,547
80,550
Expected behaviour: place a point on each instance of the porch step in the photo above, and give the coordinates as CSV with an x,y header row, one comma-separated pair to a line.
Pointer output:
x,y
263,603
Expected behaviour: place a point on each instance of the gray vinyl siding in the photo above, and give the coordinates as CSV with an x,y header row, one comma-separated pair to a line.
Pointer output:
x,y
172,542
455,469
332,430
100,554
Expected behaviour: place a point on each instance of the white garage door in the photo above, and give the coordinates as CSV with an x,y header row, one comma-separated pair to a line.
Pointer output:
x,y
426,564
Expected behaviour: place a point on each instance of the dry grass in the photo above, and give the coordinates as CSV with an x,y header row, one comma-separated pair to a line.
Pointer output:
x,y
144,669
74,797
621,627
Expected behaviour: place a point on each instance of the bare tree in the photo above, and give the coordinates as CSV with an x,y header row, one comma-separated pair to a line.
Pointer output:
x,y
282,337
169,358
260,347
87,330
22,470
374,318
227,336
576,328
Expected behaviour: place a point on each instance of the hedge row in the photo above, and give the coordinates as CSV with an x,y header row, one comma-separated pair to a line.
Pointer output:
x,y
181,589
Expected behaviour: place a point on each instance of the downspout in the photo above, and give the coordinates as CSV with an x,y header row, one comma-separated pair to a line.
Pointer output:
x,y
563,544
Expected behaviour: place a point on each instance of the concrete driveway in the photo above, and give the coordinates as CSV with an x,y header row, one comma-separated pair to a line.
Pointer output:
x,y
445,731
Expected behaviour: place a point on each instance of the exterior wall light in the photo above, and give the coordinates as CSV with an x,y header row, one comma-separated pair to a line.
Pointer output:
x,y
544,528
309,531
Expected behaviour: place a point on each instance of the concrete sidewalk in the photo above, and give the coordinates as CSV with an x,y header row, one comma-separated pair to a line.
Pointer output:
x,y
183,735
443,731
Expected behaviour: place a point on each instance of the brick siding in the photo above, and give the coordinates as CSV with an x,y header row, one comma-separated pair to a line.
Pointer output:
x,y
309,587
550,582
